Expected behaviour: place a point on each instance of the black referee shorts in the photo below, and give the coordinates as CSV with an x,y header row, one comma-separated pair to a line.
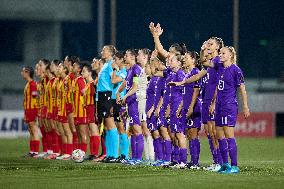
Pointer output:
x,y
104,106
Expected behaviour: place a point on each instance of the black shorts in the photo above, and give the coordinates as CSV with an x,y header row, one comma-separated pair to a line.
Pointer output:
x,y
104,106
116,110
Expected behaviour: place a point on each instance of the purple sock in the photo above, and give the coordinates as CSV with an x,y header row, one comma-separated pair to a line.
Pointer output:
x,y
197,150
167,150
213,152
175,153
139,146
223,146
160,148
133,146
233,151
192,151
155,148
219,157
182,155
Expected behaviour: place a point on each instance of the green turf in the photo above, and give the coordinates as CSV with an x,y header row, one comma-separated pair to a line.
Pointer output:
x,y
261,162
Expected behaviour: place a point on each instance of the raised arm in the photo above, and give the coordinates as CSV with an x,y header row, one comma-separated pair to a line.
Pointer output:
x,y
156,32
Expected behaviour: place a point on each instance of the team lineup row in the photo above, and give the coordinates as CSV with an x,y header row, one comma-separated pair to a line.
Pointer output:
x,y
163,96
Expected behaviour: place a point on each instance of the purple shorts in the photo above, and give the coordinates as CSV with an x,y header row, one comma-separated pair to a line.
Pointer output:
x,y
205,113
162,121
133,113
152,123
174,120
226,114
188,123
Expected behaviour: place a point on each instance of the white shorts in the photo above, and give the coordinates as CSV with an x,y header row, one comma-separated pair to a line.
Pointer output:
x,y
141,109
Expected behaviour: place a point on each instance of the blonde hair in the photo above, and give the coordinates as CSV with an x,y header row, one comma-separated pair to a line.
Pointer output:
x,y
233,53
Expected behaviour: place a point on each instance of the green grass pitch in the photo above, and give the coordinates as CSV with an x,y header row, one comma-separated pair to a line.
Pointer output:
x,y
261,162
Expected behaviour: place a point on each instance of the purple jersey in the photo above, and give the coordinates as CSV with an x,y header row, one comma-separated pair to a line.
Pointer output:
x,y
168,78
188,90
150,92
209,82
229,79
134,71
159,90
176,91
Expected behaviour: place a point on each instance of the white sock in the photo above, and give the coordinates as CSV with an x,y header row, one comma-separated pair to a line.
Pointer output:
x,y
151,148
146,148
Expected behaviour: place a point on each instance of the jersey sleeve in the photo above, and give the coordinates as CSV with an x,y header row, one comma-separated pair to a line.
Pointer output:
x,y
81,84
33,88
239,77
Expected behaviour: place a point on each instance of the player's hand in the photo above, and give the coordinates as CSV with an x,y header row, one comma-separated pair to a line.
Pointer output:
x,y
189,112
158,30
246,112
157,112
152,28
212,109
172,83
118,100
124,100
150,112
167,114
178,113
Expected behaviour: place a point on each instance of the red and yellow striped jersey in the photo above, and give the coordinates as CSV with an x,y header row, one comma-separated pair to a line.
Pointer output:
x,y
30,95
89,94
49,95
79,101
43,84
69,84
62,98
55,91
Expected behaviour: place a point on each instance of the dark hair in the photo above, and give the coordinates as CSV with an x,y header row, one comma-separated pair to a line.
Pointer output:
x,y
30,70
219,41
56,62
81,65
133,52
180,47
196,57
45,61
88,67
73,59
119,54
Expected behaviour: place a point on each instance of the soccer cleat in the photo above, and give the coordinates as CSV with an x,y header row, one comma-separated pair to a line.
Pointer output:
x,y
66,157
52,156
171,165
59,157
100,158
158,163
181,165
136,162
214,167
40,155
224,167
197,167
30,154
90,157
121,159
232,170
129,161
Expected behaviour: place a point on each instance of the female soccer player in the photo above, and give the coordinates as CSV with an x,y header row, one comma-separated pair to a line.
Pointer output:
x,y
230,78
30,109
64,127
89,92
118,76
68,62
131,85
80,115
190,112
143,58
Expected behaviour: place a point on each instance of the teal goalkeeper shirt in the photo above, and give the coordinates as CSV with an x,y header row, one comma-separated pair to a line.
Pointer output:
x,y
121,73
104,78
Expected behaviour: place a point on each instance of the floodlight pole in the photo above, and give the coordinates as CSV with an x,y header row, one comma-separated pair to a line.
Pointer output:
x,y
101,25
236,24
113,22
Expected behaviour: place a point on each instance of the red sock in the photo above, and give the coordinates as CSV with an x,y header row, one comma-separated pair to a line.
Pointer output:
x,y
92,140
31,146
75,141
103,146
64,149
95,145
36,144
83,147
55,142
61,147
43,139
49,140
69,149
